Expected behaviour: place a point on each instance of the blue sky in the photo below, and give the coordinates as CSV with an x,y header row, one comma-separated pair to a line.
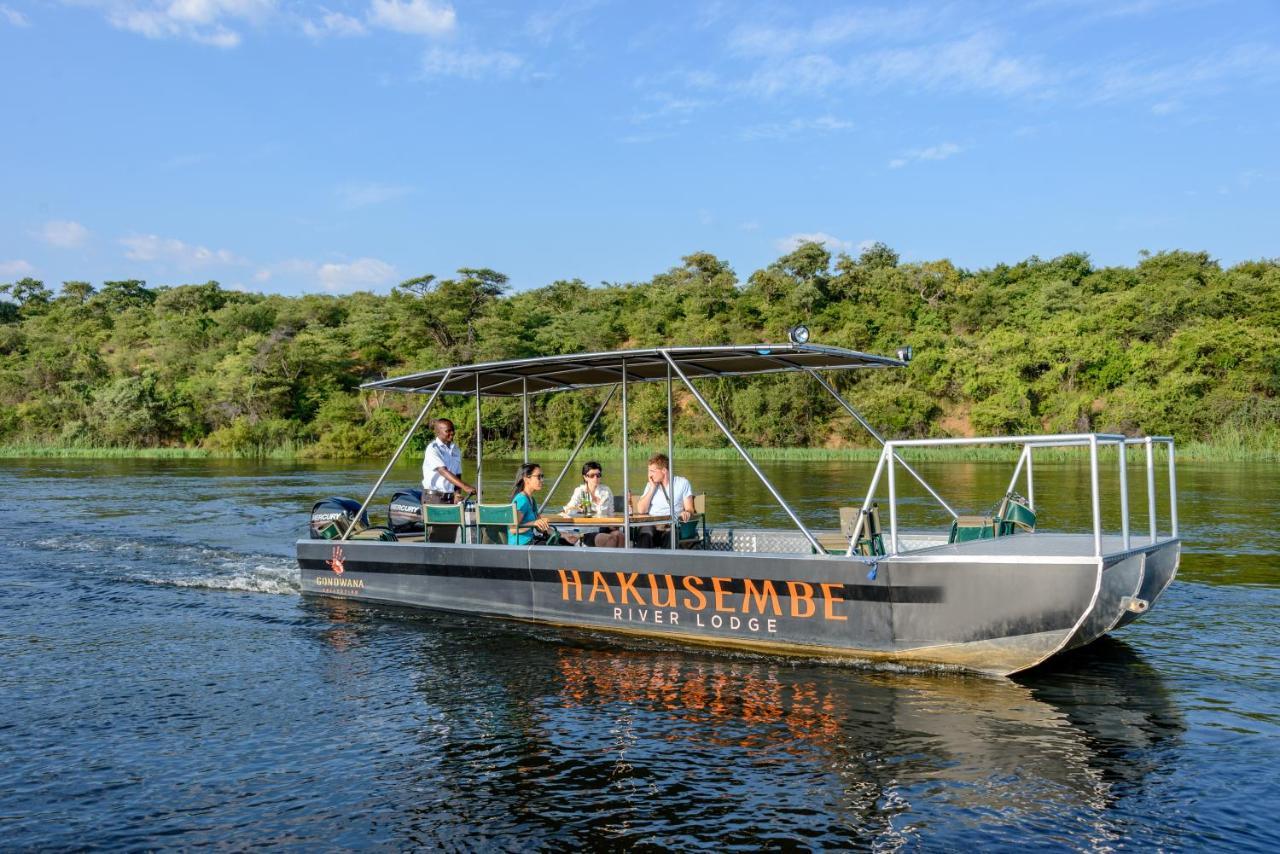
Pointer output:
x,y
290,146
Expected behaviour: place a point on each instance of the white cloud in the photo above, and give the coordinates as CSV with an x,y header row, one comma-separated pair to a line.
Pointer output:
x,y
16,268
333,24
974,63
667,107
469,64
360,195
783,130
205,21
363,272
63,234
755,40
792,243
1204,74
933,152
562,22
151,247
14,17
415,17
333,277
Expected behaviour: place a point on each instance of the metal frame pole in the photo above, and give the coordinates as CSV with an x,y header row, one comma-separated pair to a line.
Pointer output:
x,y
1031,487
866,504
400,450
578,447
813,541
1094,500
524,383
1017,470
1124,496
1173,494
479,442
671,471
857,416
893,501
626,480
1151,490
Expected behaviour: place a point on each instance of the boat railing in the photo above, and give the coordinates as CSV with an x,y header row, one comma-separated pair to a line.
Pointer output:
x,y
891,454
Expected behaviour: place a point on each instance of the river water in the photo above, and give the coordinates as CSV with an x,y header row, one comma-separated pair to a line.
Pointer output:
x,y
164,685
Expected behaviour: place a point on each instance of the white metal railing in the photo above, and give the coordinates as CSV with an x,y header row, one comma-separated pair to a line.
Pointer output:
x,y
1029,443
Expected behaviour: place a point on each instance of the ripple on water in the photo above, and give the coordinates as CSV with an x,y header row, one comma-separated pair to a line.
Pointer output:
x,y
154,699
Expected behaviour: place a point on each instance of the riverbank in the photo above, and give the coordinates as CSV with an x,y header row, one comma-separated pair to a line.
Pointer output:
x,y
1232,448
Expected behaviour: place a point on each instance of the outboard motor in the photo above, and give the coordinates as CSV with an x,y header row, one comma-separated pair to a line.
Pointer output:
x,y
404,513
331,517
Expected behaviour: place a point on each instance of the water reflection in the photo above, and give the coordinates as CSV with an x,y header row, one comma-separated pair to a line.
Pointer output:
x,y
545,733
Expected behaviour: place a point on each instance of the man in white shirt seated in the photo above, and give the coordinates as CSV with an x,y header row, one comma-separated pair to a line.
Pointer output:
x,y
442,481
656,502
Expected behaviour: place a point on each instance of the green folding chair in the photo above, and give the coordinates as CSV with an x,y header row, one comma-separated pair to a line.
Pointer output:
x,y
445,516
496,523
870,541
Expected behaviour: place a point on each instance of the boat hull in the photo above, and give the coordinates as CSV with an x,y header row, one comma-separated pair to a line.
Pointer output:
x,y
987,613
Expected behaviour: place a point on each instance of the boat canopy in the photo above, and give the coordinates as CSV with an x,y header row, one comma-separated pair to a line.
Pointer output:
x,y
517,377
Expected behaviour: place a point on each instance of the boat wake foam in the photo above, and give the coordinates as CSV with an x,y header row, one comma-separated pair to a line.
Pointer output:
x,y
167,563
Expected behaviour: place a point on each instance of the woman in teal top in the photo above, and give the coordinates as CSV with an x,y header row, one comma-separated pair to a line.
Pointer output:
x,y
531,528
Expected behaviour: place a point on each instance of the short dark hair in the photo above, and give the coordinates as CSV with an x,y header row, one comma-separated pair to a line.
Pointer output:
x,y
662,461
590,466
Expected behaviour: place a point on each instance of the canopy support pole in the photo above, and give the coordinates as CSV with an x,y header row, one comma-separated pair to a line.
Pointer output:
x,y
813,541
626,481
400,450
525,395
671,471
479,442
857,416
546,502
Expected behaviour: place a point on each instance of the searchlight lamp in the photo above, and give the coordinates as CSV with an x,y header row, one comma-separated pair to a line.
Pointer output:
x,y
798,334
904,354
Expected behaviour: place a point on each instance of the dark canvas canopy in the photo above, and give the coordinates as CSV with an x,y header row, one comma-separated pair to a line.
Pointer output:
x,y
585,370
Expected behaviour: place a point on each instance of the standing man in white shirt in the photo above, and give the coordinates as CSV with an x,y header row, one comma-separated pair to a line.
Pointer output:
x,y
442,481
655,502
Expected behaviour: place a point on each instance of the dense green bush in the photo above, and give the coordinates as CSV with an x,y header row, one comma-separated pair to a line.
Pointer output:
x,y
1175,345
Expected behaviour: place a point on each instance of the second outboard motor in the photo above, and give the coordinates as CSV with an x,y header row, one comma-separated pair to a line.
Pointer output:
x,y
331,517
404,513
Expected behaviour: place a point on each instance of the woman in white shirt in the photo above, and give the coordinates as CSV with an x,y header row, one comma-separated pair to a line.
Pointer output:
x,y
591,497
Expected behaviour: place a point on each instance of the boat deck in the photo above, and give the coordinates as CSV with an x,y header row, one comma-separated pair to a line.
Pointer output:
x,y
932,544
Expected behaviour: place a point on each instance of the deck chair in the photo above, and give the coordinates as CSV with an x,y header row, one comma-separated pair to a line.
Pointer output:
x,y
446,516
870,542
495,523
1016,514
690,535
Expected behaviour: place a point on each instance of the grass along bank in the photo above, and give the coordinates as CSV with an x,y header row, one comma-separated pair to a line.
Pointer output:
x,y
1229,446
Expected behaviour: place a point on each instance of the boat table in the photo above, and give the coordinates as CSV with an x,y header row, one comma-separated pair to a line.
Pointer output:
x,y
637,520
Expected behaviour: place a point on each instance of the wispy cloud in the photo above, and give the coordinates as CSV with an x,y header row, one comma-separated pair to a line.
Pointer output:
x,y
666,107
559,23
335,277
360,195
210,22
976,63
17,267
414,17
470,64
168,250
64,234
756,40
933,152
333,24
795,127
13,17
1197,76
361,273
795,241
